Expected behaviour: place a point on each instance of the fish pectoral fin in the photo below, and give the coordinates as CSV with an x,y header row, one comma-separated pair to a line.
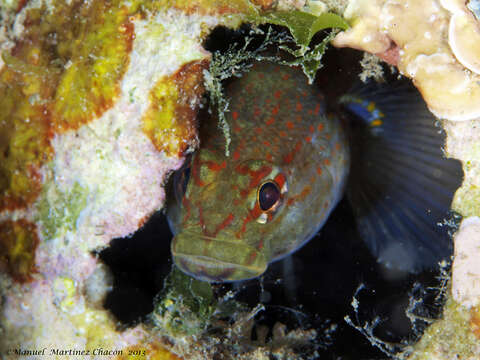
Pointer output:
x,y
401,185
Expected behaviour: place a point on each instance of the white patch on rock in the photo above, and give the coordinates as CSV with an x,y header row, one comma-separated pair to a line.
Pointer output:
x,y
111,156
466,264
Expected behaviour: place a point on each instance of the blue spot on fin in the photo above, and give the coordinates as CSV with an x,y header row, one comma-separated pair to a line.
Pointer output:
x,y
401,185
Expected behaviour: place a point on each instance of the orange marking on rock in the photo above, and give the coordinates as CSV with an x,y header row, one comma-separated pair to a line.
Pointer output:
x,y
338,146
269,157
275,110
475,321
260,76
285,77
266,143
320,127
308,139
237,129
319,170
282,133
326,162
258,130
290,125
277,94
235,115
312,129
270,121
257,111
299,106
317,109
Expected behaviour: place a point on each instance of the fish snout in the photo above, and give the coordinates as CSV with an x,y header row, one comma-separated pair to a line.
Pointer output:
x,y
217,260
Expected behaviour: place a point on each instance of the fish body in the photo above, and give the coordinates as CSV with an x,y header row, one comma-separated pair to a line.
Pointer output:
x,y
287,170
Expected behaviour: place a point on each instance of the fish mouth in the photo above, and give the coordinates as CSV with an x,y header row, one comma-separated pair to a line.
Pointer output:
x,y
217,260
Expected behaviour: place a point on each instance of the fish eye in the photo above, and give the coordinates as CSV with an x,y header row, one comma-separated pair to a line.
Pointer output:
x,y
268,195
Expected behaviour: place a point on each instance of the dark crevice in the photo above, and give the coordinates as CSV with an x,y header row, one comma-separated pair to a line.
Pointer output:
x,y
139,264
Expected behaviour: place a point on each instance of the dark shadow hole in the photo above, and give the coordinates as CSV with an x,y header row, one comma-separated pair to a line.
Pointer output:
x,y
139,264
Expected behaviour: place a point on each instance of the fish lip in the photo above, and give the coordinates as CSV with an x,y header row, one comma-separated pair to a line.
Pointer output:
x,y
199,267
217,260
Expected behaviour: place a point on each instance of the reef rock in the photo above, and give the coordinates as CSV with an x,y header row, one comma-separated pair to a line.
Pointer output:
x,y
98,104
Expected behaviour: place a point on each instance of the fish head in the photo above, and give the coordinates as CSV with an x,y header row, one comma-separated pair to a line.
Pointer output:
x,y
227,214
236,217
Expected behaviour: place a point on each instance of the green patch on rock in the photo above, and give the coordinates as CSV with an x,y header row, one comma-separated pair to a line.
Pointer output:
x,y
303,26
59,211
187,306
467,200
448,338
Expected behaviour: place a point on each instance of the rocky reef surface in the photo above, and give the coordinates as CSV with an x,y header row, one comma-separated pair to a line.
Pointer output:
x,y
98,105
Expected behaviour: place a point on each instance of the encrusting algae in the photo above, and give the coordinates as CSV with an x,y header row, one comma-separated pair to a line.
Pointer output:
x,y
98,104
172,110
